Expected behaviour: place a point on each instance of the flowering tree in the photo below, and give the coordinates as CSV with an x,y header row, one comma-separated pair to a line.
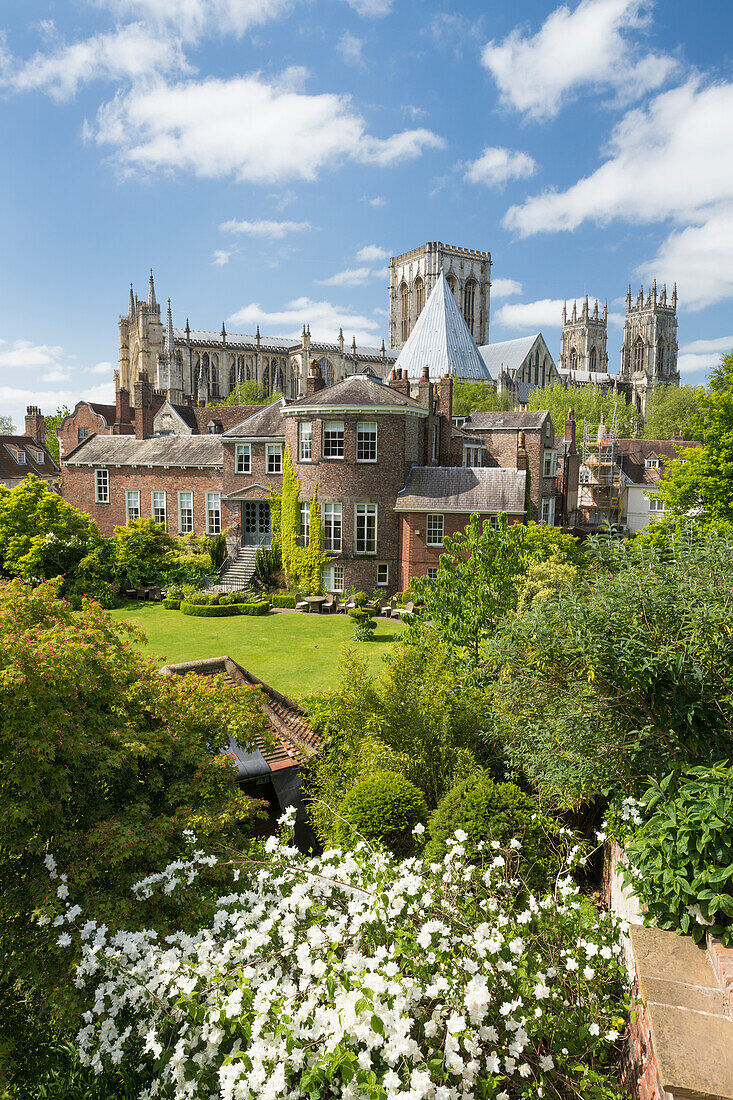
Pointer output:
x,y
353,975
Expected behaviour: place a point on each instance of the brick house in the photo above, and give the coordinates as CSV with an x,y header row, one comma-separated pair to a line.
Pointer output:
x,y
21,455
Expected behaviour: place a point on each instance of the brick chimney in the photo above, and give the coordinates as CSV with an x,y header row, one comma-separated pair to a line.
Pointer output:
x,y
315,381
399,381
122,411
425,389
570,429
522,456
35,425
143,407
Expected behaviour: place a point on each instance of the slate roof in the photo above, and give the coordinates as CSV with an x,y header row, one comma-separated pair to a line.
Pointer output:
x,y
294,741
596,377
441,340
631,456
10,470
157,450
504,421
197,417
246,341
266,423
359,391
462,489
507,354
109,412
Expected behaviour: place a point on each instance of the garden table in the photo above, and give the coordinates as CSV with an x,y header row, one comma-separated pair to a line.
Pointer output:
x,y
315,602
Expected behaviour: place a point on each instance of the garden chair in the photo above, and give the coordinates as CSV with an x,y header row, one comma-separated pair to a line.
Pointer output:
x,y
154,593
388,608
349,605
131,593
142,593
300,604
331,603
406,610
373,607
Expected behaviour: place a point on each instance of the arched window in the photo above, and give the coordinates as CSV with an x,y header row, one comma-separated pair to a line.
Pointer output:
x,y
573,359
593,360
404,312
326,368
639,354
537,367
469,302
419,296
451,281
266,375
205,366
661,367
214,377
233,376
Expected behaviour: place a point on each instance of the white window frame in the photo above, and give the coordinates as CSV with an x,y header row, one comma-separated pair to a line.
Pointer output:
x,y
651,464
20,457
39,456
431,520
431,572
305,523
547,514
159,493
656,504
366,440
332,578
382,574
183,507
213,513
82,434
494,521
333,515
274,451
364,512
471,451
132,505
101,485
549,463
242,458
305,440
333,439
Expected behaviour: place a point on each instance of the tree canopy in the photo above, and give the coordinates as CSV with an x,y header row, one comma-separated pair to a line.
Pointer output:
x,y
671,409
40,533
471,397
588,403
249,393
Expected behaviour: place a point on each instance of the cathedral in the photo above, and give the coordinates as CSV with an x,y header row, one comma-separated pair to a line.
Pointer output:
x,y
199,367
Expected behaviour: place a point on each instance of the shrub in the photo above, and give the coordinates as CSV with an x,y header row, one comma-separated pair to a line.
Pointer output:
x,y
171,605
260,608
361,599
486,811
681,857
282,601
210,611
204,598
241,596
218,550
364,624
268,564
91,588
385,807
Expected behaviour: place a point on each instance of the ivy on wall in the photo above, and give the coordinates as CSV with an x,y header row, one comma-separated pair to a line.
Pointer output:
x,y
302,565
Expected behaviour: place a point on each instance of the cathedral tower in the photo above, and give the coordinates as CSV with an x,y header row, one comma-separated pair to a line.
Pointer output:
x,y
649,352
141,338
413,275
583,340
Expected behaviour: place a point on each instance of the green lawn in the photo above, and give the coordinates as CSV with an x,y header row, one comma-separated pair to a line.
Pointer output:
x,y
297,654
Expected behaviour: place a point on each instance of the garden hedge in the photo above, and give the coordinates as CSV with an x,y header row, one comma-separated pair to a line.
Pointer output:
x,y
260,608
171,605
209,611
384,807
283,601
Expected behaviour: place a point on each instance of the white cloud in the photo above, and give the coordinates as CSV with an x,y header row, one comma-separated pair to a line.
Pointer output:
x,y
129,53
670,160
221,257
372,253
194,18
591,46
14,400
505,288
254,129
56,375
530,316
497,166
721,345
372,9
378,200
351,49
324,319
353,276
102,368
24,355
702,355
274,231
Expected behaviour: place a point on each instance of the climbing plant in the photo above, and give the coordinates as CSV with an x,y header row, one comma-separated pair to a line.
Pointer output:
x,y
302,565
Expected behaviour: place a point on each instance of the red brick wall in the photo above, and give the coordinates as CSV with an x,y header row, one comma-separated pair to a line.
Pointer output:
x,y
83,417
639,1072
78,489
416,557
502,451
238,483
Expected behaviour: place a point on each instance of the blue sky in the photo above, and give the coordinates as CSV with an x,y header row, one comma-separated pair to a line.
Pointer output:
x,y
266,156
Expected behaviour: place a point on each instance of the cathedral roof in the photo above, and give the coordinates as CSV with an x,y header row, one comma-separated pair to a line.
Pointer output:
x,y
441,340
463,489
508,354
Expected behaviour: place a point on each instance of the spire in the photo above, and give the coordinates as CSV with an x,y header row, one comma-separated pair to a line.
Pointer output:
x,y
131,306
257,336
585,307
654,292
575,310
169,331
605,310
152,303
188,330
223,334
674,297
565,312
595,311
628,299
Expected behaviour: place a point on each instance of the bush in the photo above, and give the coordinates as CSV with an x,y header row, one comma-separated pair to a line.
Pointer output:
x,y
486,811
681,857
268,564
361,599
210,611
91,588
171,605
218,550
364,625
241,596
282,601
260,608
385,807
204,598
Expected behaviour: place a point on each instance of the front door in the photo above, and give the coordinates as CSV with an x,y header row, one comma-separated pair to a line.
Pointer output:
x,y
256,523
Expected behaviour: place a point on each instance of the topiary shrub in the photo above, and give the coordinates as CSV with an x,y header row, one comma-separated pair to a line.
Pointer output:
x,y
681,856
171,605
210,611
260,608
218,550
282,601
385,807
361,599
364,625
241,596
486,811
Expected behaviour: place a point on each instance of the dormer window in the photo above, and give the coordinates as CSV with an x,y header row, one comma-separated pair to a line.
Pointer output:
x,y
652,464
39,457
20,457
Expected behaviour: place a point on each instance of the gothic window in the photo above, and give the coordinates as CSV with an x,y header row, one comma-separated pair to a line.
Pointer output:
x,y
419,296
573,359
404,312
451,281
639,354
326,368
593,360
537,367
469,302
232,376
266,376
205,366
660,357
213,379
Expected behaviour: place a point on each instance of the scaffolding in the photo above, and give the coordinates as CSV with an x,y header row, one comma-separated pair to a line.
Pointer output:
x,y
601,488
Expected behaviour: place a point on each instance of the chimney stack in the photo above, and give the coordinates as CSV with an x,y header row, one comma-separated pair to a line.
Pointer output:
x,y
315,381
522,456
143,407
570,429
35,425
